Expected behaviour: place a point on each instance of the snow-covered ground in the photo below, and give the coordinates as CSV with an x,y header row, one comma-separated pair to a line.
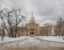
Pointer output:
x,y
47,38
51,38
7,39
56,41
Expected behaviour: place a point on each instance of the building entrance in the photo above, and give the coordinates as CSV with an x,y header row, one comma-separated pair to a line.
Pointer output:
x,y
31,33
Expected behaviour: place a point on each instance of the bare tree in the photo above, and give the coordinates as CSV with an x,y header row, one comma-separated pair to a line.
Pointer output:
x,y
18,19
11,18
2,31
58,28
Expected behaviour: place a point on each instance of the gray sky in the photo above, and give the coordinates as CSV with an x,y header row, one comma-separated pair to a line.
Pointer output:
x,y
45,11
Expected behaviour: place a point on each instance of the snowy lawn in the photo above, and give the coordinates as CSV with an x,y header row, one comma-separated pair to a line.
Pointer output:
x,y
7,39
47,38
54,41
51,38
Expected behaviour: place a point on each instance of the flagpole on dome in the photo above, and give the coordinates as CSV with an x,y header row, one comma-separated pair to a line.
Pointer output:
x,y
32,13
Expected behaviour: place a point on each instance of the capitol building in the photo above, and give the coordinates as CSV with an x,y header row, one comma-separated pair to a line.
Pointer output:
x,y
33,29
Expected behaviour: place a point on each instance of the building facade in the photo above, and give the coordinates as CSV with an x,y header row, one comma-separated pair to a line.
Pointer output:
x,y
33,29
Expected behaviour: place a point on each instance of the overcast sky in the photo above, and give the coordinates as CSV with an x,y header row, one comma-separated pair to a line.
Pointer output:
x,y
44,10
